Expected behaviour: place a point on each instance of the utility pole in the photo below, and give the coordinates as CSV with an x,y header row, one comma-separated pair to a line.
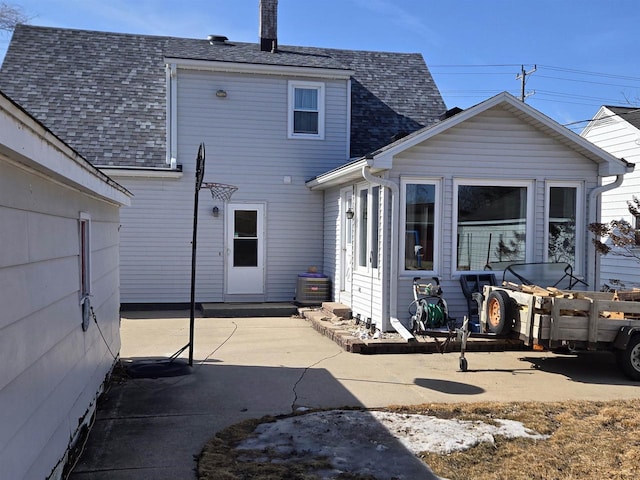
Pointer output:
x,y
523,78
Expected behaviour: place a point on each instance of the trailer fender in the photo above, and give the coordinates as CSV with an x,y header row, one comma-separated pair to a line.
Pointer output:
x,y
624,336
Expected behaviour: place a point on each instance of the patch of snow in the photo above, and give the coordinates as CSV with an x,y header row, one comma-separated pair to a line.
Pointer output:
x,y
382,444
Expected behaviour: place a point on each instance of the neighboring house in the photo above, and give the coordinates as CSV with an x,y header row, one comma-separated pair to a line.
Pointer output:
x,y
617,130
138,107
497,182
59,219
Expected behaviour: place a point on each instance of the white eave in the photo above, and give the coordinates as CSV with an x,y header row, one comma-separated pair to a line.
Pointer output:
x,y
382,159
264,69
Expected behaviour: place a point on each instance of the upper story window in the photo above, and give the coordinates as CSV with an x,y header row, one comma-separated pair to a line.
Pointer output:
x,y
306,110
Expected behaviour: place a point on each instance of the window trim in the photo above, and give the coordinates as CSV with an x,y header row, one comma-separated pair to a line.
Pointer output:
x,y
488,182
320,88
372,228
437,225
581,228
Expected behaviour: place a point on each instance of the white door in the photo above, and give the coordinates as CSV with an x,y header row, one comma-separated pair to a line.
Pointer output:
x,y
346,242
245,243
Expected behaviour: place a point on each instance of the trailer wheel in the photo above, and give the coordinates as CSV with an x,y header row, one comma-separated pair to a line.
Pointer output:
x,y
629,358
500,312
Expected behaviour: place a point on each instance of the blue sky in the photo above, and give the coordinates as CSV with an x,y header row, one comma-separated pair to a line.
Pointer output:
x,y
586,51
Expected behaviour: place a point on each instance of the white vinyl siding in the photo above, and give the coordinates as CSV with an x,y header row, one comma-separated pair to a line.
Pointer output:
x,y
616,136
270,168
493,146
52,370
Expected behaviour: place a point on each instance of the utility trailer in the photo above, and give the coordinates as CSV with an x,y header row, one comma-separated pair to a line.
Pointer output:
x,y
554,319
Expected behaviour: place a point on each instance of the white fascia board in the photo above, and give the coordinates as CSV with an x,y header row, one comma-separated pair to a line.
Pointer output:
x,y
282,70
337,176
348,173
603,112
27,143
116,172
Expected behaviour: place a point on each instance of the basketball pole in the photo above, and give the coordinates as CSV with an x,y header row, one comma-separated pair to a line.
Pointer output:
x,y
199,175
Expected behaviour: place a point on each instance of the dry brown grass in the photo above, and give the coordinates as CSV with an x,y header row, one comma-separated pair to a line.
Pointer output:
x,y
588,441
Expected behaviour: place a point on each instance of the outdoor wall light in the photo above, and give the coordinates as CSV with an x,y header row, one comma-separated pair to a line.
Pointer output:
x,y
216,211
221,93
350,214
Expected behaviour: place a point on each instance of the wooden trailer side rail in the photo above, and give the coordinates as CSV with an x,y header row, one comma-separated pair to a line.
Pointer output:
x,y
591,318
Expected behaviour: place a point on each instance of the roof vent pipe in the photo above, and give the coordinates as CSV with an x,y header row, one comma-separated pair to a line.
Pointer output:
x,y
269,25
213,39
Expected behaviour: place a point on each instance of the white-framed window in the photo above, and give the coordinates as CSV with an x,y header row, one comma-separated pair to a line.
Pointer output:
x,y
420,216
306,110
564,222
493,223
84,232
367,227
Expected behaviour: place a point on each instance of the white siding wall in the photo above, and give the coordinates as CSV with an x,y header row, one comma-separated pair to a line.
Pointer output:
x,y
332,236
52,370
493,145
620,139
246,145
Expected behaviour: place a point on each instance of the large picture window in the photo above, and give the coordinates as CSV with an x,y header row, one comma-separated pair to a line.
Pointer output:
x,y
306,110
420,214
491,225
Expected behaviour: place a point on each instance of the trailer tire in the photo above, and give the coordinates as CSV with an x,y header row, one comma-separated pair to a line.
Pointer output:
x,y
501,312
629,358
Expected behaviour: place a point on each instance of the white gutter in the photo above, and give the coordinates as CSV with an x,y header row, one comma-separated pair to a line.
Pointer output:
x,y
393,262
592,274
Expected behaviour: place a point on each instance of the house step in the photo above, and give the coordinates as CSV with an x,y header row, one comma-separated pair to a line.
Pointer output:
x,y
337,309
244,310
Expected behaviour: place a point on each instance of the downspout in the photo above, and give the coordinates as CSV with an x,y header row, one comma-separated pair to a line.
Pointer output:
x,y
393,262
592,276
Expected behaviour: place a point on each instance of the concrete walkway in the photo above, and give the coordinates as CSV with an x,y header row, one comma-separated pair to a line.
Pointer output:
x,y
249,367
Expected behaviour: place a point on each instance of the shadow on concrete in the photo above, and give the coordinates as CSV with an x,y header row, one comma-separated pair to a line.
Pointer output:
x,y
597,368
448,386
156,428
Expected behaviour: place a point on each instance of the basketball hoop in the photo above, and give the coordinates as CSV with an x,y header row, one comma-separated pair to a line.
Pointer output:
x,y
220,191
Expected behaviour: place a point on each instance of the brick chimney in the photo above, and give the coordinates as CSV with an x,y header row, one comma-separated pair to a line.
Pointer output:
x,y
269,25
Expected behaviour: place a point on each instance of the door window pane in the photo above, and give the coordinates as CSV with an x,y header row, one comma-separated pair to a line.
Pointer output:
x,y
492,222
419,226
245,243
245,252
246,223
562,224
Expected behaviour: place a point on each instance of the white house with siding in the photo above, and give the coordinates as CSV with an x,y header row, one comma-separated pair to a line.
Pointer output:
x,y
59,219
617,131
138,106
438,201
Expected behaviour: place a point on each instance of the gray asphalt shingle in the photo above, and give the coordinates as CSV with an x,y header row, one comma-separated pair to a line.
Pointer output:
x,y
105,93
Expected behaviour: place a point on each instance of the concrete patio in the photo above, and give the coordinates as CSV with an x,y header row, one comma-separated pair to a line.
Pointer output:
x,y
250,367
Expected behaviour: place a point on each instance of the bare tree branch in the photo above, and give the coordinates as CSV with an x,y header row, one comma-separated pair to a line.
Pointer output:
x,y
11,15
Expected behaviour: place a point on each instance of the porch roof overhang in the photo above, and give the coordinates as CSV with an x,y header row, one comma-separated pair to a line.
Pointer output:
x,y
382,159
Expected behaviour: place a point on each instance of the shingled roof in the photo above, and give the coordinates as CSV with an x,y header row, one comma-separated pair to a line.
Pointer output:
x,y
629,114
105,93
